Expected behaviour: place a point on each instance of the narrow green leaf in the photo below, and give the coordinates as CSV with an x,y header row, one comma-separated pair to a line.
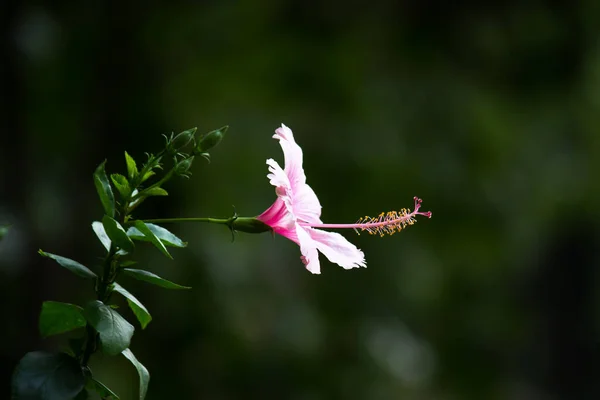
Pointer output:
x,y
156,191
163,234
151,237
104,190
73,266
103,391
132,170
101,234
128,263
47,376
57,317
149,277
121,184
147,175
115,332
117,234
152,163
136,306
142,372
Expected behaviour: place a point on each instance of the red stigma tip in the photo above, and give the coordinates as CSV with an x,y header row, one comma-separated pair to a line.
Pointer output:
x,y
418,202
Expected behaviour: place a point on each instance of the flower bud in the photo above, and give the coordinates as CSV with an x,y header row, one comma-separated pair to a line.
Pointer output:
x,y
184,165
249,225
181,140
210,140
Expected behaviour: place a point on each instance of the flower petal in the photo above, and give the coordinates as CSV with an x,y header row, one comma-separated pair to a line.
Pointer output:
x,y
278,217
278,177
337,249
306,205
292,154
310,256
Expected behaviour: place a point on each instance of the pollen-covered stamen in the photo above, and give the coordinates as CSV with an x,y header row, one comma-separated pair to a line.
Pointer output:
x,y
385,223
391,222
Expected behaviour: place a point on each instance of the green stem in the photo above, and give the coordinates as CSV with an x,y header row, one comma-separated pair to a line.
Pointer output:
x,y
103,291
164,179
102,295
160,182
109,266
222,221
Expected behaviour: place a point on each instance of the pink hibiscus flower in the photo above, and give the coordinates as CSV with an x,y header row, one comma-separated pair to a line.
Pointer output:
x,y
296,214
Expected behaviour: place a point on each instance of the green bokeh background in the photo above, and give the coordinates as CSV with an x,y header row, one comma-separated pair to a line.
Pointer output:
x,y
489,112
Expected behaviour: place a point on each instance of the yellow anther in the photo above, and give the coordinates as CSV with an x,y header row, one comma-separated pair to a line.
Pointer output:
x,y
385,223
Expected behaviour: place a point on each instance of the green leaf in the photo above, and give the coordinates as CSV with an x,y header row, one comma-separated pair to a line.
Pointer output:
x,y
164,235
142,371
104,392
47,376
128,263
132,170
101,234
121,184
147,175
104,190
57,317
149,277
148,235
73,266
117,234
115,332
156,191
136,306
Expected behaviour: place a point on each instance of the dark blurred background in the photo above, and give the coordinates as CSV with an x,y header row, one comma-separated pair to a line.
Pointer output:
x,y
489,112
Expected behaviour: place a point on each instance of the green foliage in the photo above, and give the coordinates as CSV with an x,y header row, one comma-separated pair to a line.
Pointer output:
x,y
117,234
142,372
156,191
73,266
127,263
166,237
150,236
153,162
103,391
98,228
50,376
57,317
136,306
121,184
115,332
147,176
104,190
182,168
47,376
149,277
132,170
